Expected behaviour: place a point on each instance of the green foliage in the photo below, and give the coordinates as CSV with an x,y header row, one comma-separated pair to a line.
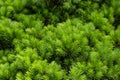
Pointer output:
x,y
45,71
5,37
59,40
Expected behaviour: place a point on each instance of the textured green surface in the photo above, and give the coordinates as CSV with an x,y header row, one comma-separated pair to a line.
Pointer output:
x,y
59,39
